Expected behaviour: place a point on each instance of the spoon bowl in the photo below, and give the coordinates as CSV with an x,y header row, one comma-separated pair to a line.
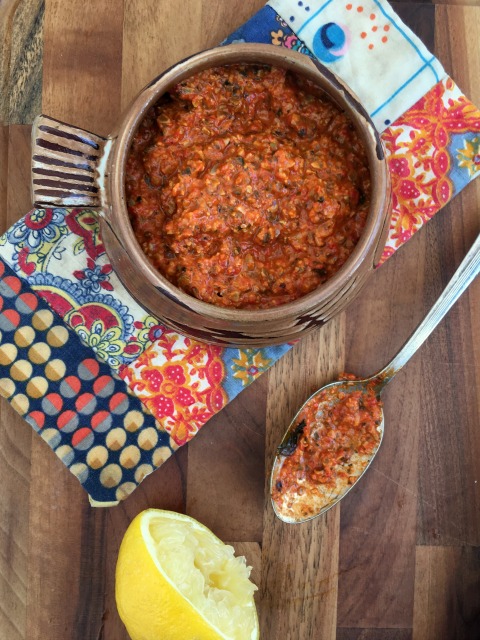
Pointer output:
x,y
305,502
310,503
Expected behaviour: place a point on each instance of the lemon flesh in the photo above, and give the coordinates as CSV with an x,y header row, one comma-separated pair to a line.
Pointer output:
x,y
175,580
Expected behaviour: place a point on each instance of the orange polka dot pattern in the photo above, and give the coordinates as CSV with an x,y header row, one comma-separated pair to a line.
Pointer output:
x,y
84,411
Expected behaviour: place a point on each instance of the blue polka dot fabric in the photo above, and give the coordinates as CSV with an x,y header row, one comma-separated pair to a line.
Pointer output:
x,y
78,405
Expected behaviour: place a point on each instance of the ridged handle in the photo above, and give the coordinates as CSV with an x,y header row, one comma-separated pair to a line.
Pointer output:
x,y
66,164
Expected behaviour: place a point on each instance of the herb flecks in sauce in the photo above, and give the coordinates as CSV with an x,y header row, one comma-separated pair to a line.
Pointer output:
x,y
288,447
340,434
246,190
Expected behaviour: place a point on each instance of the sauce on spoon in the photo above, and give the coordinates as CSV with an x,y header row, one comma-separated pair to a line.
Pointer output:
x,y
331,443
338,431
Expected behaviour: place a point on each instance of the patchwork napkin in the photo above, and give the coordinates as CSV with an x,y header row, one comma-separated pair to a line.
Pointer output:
x,y
112,391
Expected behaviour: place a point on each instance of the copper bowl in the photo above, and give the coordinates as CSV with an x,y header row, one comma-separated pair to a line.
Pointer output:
x,y
89,171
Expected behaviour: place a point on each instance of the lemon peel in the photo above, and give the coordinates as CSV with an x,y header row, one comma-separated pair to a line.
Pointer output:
x,y
176,580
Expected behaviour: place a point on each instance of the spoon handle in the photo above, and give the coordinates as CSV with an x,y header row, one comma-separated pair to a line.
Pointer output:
x,y
461,279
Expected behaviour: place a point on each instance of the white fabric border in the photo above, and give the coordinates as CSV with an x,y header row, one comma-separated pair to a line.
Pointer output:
x,y
366,44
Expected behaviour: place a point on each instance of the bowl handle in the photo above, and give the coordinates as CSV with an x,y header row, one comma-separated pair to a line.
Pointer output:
x,y
68,164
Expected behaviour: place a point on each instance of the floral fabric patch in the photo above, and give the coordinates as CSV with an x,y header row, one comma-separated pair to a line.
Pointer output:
x,y
60,254
180,381
433,153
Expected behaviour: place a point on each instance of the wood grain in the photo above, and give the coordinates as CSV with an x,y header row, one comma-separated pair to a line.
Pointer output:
x,y
155,37
18,199
374,634
387,496
300,563
445,579
457,28
21,49
450,443
399,558
7,10
3,170
458,3
15,447
235,445
82,63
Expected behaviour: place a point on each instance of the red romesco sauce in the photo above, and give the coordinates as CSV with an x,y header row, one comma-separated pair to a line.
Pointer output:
x,y
246,190
330,446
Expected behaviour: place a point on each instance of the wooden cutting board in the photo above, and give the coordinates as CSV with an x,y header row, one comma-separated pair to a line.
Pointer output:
x,y
399,559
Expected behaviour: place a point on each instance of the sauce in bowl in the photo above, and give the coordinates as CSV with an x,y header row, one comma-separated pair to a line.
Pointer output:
x,y
245,188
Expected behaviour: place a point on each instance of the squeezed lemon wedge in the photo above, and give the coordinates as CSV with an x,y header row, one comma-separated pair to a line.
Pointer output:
x,y
175,580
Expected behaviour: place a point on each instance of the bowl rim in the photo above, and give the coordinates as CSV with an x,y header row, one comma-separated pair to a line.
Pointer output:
x,y
248,53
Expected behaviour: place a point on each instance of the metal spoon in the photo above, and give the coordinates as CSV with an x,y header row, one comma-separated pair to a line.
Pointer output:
x,y
465,274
